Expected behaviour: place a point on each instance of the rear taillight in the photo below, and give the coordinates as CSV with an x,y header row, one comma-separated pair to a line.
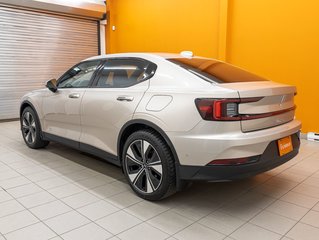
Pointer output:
x,y
221,109
227,109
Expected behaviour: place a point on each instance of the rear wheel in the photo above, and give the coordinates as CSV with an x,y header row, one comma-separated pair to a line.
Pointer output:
x,y
31,131
149,165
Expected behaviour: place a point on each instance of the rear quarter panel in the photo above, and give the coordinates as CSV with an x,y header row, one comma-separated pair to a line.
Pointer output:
x,y
181,88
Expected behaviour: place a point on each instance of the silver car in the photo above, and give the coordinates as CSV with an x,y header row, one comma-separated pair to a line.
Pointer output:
x,y
166,119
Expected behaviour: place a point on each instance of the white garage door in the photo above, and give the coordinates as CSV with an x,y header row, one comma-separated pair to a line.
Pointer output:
x,y
35,47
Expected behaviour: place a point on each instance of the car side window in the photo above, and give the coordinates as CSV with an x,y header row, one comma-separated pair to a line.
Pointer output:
x,y
121,73
79,76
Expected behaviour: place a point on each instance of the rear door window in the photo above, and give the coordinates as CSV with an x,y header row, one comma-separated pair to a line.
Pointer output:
x,y
215,71
121,73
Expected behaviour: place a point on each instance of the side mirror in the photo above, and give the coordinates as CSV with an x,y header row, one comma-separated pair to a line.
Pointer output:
x,y
51,85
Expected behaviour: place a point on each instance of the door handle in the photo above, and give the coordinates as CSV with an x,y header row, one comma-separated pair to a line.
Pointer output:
x,y
125,98
74,95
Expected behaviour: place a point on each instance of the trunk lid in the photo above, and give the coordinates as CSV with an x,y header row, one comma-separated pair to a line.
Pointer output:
x,y
275,107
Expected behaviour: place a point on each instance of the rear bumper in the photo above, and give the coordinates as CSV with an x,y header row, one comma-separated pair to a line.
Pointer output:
x,y
268,160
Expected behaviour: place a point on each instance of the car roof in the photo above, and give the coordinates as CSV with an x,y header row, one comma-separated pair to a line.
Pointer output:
x,y
137,55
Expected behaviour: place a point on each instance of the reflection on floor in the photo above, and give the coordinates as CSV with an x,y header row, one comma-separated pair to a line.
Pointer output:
x,y
60,193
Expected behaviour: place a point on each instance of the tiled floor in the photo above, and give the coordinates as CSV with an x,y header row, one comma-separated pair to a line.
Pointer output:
x,y
59,193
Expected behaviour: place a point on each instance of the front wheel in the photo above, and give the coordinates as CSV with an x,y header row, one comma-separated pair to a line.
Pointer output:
x,y
30,127
148,165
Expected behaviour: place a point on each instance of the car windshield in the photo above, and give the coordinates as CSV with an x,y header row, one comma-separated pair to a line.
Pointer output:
x,y
215,71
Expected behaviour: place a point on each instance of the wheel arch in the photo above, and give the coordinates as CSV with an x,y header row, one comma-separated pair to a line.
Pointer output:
x,y
26,104
139,124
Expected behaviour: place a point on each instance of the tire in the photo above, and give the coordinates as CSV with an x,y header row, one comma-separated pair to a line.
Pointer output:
x,y
151,172
31,129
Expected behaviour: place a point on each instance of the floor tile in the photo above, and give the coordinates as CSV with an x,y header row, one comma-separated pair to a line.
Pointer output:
x,y
16,221
94,182
10,207
105,191
23,164
123,200
272,190
90,231
291,175
50,210
52,183
36,177
143,231
60,162
256,199
222,222
65,190
4,168
37,231
36,199
170,222
80,199
41,180
80,175
311,218
8,174
195,209
273,222
11,157
307,190
146,210
242,210
197,231
24,190
288,210
253,232
300,199
114,238
4,196
14,182
303,231
121,184
282,183
316,207
68,169
312,181
118,222
30,170
66,222
98,210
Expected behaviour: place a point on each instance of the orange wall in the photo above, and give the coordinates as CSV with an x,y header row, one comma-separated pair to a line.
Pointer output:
x,y
164,25
276,39
279,39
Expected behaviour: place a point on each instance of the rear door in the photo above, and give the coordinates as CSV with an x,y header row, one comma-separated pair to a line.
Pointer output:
x,y
61,110
112,101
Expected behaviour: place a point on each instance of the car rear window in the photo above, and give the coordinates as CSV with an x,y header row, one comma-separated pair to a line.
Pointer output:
x,y
215,71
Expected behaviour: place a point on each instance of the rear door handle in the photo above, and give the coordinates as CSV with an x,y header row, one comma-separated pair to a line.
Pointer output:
x,y
125,98
74,95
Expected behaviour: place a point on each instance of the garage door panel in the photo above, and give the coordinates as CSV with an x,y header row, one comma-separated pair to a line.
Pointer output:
x,y
35,47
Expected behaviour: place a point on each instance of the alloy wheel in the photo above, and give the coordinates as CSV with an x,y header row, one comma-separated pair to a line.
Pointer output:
x,y
28,127
144,166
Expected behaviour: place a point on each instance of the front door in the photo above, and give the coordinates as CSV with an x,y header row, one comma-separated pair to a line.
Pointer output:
x,y
61,110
